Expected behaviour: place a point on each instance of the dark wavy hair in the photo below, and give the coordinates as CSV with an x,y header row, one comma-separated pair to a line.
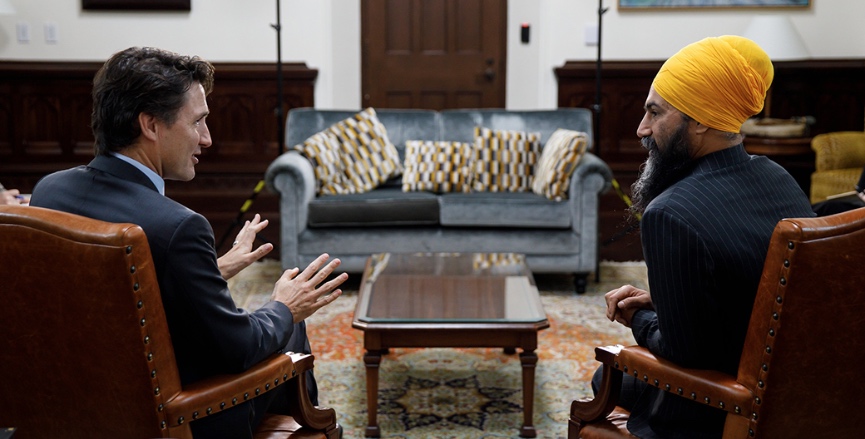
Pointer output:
x,y
141,80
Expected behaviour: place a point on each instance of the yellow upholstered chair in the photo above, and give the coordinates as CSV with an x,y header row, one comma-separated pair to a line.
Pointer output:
x,y
839,160
84,344
798,374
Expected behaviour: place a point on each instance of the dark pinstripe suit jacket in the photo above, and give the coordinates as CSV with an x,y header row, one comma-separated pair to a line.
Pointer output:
x,y
209,333
705,240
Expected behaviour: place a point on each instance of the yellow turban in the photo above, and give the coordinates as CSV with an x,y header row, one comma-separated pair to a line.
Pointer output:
x,y
718,81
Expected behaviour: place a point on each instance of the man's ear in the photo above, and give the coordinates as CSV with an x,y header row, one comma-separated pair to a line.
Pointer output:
x,y
147,123
700,128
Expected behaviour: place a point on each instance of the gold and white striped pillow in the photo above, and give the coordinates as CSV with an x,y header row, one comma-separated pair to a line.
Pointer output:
x,y
504,161
559,158
368,156
436,166
323,151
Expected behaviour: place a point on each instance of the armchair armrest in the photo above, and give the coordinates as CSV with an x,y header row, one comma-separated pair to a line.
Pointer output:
x,y
214,394
710,387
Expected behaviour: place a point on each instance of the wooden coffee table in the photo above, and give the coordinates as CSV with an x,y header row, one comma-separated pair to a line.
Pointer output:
x,y
449,300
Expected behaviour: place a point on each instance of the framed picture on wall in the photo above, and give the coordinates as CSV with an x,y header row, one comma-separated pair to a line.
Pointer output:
x,y
137,5
693,4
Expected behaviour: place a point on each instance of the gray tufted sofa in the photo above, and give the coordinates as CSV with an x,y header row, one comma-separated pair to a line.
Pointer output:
x,y
556,237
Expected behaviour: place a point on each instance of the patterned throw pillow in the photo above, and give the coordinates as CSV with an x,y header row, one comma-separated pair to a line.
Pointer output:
x,y
436,166
503,161
323,150
559,158
369,157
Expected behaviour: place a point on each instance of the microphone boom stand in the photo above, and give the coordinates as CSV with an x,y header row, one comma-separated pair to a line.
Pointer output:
x,y
280,133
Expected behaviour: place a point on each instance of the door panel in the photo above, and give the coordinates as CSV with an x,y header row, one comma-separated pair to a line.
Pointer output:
x,y
434,54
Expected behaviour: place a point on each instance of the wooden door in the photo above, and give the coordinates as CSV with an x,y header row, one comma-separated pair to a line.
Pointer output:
x,y
433,54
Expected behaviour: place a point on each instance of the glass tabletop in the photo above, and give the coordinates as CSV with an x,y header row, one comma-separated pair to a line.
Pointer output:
x,y
448,288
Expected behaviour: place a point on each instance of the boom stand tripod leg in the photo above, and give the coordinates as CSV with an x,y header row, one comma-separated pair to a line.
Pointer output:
x,y
239,219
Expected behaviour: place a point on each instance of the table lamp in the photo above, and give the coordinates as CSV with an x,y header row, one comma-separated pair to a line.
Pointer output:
x,y
777,36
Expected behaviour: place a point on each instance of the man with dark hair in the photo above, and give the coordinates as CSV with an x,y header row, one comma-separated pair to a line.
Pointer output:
x,y
149,112
708,211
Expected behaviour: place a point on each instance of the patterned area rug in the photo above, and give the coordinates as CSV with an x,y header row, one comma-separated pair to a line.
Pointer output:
x,y
459,393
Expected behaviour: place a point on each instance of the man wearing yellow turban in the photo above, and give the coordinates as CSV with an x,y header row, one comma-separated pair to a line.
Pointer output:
x,y
708,209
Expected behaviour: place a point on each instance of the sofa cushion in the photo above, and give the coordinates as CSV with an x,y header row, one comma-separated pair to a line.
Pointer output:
x,y
491,209
381,207
503,161
368,155
436,166
559,158
323,151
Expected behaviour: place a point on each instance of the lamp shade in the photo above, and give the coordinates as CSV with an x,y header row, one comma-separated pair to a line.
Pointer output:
x,y
777,36
6,7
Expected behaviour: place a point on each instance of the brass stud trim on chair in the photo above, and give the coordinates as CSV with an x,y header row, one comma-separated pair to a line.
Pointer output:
x,y
750,432
146,339
267,387
150,356
153,373
257,391
136,286
132,269
657,383
245,396
790,245
707,400
180,420
162,425
156,390
161,406
757,400
234,401
667,387
222,405
772,332
721,404
737,410
680,391
787,263
775,316
694,395
195,415
140,304
209,410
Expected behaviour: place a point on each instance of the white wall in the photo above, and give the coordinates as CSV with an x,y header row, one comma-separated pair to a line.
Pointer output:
x,y
325,34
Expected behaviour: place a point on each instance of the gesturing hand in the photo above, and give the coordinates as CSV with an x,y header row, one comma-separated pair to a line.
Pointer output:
x,y
241,254
624,301
302,294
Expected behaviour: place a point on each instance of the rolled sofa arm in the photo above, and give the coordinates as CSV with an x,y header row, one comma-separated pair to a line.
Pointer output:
x,y
591,178
292,177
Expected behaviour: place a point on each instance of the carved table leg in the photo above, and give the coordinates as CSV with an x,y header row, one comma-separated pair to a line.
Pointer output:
x,y
372,359
528,359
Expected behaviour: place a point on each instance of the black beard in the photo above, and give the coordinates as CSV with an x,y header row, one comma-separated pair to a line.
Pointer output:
x,y
661,169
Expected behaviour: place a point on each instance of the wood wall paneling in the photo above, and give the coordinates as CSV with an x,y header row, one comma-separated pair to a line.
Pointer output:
x,y
832,91
45,126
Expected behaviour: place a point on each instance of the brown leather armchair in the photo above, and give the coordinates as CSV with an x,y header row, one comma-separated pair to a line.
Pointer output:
x,y
839,158
798,374
85,349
